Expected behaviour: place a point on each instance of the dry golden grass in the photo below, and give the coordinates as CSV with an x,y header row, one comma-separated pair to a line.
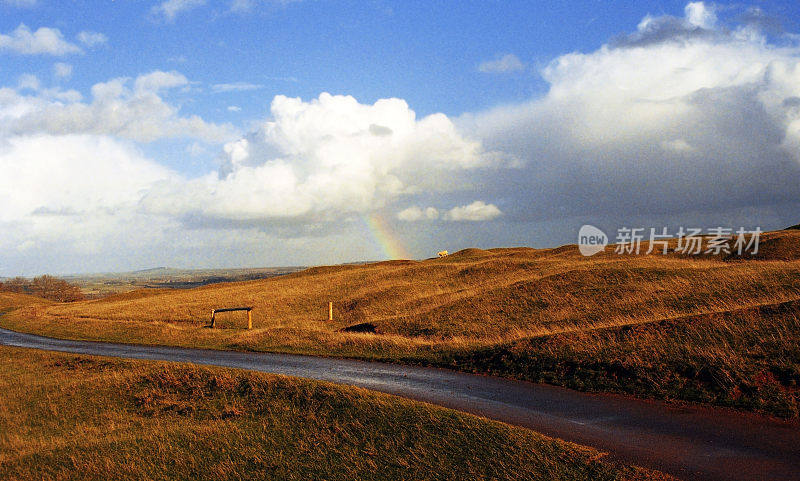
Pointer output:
x,y
747,358
472,296
437,310
65,416
13,300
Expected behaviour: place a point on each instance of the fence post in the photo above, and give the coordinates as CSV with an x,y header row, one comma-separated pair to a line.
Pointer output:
x,y
213,314
330,311
249,319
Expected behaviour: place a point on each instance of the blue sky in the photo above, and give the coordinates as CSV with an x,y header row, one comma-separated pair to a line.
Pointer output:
x,y
165,133
423,52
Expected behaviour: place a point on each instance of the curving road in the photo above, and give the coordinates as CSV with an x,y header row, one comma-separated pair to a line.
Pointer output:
x,y
687,441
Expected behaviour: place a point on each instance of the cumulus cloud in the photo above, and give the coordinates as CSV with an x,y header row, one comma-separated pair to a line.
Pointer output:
x,y
685,120
28,81
699,22
502,64
414,213
170,9
72,203
44,41
474,212
139,113
700,15
62,70
92,39
681,116
325,159
157,81
50,176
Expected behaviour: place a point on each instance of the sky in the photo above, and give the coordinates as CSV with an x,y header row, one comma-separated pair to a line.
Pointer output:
x,y
245,133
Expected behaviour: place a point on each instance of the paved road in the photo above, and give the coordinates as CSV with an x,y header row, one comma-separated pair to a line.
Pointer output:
x,y
688,442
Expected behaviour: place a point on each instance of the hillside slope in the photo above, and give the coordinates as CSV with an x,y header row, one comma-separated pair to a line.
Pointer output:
x,y
498,293
224,424
449,310
13,300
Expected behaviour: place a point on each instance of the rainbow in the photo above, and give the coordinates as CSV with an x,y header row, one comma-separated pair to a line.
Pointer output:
x,y
385,237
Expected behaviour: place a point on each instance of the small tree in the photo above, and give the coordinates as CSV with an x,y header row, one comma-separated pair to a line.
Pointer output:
x,y
55,289
17,284
45,286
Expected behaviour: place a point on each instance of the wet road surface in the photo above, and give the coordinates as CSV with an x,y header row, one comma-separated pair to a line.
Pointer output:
x,y
689,442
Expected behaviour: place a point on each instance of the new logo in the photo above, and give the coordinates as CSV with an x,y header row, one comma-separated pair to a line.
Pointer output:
x,y
591,240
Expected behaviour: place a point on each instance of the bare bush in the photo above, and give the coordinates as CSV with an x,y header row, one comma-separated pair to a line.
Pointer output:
x,y
45,286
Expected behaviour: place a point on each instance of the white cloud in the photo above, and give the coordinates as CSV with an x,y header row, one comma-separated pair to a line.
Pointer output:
x,y
673,118
62,70
92,39
170,9
677,145
28,82
415,213
474,212
139,114
234,108
44,41
325,159
700,15
72,174
157,81
71,201
236,87
682,121
502,64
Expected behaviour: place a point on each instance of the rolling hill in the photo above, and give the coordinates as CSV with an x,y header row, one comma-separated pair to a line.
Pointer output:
x,y
614,322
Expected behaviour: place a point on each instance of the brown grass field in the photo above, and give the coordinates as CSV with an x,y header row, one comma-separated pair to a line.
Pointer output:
x,y
65,416
95,286
724,331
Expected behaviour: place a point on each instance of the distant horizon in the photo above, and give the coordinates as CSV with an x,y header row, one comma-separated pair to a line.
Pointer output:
x,y
304,266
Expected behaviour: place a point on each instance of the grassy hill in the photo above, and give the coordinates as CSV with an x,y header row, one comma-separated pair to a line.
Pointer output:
x,y
100,285
13,300
145,420
712,329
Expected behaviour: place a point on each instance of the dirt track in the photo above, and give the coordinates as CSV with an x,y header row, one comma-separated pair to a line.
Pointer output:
x,y
687,441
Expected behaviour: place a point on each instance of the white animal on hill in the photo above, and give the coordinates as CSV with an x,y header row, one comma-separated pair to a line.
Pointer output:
x,y
442,253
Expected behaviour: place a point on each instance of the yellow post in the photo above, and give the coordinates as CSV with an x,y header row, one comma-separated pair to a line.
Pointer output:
x,y
330,311
249,320
213,315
